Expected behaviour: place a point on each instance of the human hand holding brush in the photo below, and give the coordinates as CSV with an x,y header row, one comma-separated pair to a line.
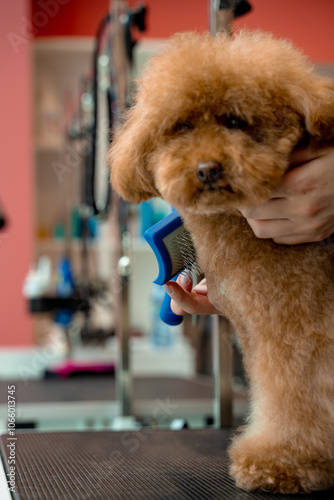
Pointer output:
x,y
186,299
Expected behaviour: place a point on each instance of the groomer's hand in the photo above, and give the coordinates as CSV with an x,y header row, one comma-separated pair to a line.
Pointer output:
x,y
301,210
186,299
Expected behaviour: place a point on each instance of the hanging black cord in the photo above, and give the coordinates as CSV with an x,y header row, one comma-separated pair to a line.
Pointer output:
x,y
239,7
91,182
136,17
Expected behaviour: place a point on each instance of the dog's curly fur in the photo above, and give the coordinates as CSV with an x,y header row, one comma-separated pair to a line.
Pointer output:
x,y
245,103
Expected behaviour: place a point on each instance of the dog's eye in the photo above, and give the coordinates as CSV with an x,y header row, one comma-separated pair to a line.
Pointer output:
x,y
183,127
232,122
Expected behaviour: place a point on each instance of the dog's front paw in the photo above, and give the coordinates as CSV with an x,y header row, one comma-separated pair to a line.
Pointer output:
x,y
258,465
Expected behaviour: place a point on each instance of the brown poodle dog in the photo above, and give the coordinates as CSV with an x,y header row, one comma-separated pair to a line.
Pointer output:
x,y
213,125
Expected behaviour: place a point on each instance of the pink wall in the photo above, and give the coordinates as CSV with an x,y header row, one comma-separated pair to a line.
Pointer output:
x,y
309,23
16,175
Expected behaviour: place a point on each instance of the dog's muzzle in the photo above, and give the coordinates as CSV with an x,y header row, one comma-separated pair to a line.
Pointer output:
x,y
211,175
209,172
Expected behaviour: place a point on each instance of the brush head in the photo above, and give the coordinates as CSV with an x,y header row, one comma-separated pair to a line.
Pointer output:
x,y
173,247
184,253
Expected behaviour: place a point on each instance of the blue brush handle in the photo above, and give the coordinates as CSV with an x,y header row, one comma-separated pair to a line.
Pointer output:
x,y
166,313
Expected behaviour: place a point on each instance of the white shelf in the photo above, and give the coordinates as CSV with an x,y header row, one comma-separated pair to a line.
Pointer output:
x,y
146,360
64,44
54,245
47,149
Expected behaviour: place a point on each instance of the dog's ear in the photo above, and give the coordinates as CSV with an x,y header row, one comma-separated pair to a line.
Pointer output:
x,y
315,103
128,159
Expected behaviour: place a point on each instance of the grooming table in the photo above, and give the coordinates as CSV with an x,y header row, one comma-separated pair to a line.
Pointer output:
x,y
145,465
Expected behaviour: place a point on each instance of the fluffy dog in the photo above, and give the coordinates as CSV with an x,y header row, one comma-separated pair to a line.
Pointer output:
x,y
212,127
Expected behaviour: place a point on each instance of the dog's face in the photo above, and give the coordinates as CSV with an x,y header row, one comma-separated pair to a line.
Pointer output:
x,y
215,121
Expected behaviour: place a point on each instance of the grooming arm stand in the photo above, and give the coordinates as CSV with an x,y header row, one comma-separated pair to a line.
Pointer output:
x,y
223,371
221,20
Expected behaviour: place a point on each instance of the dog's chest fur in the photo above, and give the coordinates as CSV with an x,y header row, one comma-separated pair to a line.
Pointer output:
x,y
250,279
227,253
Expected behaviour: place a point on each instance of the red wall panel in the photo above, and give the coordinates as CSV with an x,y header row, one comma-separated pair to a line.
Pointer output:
x,y
308,23
16,176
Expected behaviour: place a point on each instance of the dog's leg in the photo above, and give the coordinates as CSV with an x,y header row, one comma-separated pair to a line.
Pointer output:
x,y
259,462
288,444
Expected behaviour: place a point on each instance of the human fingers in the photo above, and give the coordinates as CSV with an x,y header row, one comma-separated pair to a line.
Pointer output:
x,y
298,229
303,155
302,208
188,302
185,281
294,231
303,176
308,233
201,287
295,239
271,228
272,209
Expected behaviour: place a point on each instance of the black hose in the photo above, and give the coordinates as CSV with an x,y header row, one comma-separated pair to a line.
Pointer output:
x,y
136,17
91,182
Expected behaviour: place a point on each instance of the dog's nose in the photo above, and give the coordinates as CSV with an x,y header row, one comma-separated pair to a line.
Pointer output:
x,y
209,172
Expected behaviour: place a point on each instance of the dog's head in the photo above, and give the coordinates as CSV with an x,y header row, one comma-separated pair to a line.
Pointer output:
x,y
215,120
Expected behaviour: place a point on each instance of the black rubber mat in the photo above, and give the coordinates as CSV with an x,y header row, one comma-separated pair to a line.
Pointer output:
x,y
145,465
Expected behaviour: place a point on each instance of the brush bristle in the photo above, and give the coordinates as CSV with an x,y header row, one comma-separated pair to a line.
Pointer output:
x,y
184,253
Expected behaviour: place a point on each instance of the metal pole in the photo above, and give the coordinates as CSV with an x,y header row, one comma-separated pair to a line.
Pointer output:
x,y
122,268
221,20
122,239
223,371
124,380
